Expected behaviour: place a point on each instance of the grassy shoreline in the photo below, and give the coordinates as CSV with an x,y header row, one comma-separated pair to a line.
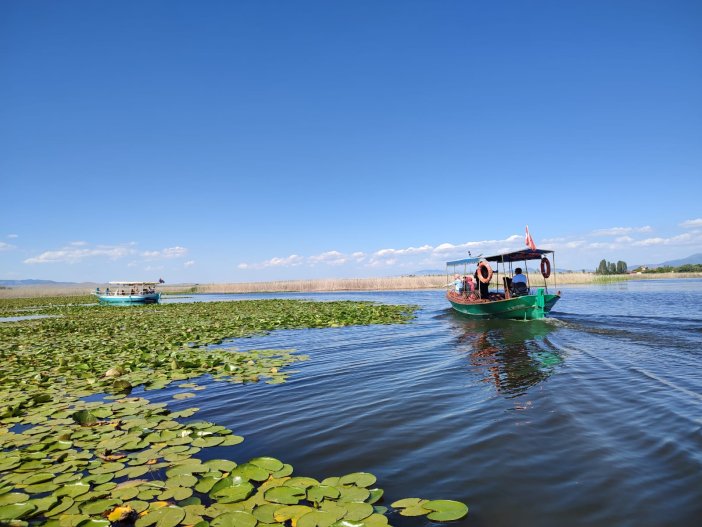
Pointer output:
x,y
396,283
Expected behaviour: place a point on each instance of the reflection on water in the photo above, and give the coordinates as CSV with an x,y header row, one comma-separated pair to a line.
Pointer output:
x,y
511,354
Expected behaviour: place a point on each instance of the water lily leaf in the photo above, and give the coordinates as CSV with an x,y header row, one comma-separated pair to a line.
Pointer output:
x,y
63,505
283,472
15,511
407,502
91,522
235,519
40,488
375,520
350,494
231,440
44,504
301,482
265,513
185,395
38,478
375,495
206,484
320,492
163,517
208,441
360,479
13,497
99,506
251,472
85,418
233,493
317,519
446,510
285,495
176,493
187,468
347,523
358,511
181,480
72,490
291,512
223,465
269,464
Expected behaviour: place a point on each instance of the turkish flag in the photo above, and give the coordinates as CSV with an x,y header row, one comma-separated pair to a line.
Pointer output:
x,y
529,240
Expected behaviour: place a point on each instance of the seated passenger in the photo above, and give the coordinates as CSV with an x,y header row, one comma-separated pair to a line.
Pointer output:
x,y
458,284
519,283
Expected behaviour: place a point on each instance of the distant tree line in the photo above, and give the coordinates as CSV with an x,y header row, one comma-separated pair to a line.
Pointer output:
x,y
606,267
687,268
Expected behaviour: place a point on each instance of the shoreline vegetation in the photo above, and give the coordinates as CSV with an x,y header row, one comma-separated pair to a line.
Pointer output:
x,y
396,283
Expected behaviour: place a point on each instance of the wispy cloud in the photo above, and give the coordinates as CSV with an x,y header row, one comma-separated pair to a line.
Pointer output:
x,y
170,252
388,257
621,231
78,251
13,236
6,246
189,263
289,261
692,223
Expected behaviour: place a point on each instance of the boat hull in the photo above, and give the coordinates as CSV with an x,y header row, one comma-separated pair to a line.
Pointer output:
x,y
527,307
150,298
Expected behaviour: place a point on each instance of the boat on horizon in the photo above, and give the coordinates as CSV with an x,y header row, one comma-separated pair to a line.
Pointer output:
x,y
470,292
129,293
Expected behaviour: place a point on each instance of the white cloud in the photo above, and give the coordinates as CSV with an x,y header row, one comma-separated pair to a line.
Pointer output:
x,y
688,238
6,246
170,252
692,223
329,257
399,252
74,254
289,261
77,251
620,231
189,263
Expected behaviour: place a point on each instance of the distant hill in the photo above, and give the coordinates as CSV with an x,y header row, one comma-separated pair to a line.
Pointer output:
x,y
16,283
425,272
693,259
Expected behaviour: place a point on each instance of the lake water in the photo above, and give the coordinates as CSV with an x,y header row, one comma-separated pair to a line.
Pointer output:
x,y
592,417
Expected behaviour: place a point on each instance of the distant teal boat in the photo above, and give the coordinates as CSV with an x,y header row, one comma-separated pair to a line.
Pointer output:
x,y
471,294
129,293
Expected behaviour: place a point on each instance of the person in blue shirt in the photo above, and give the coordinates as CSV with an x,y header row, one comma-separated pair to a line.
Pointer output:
x,y
458,284
519,283
519,277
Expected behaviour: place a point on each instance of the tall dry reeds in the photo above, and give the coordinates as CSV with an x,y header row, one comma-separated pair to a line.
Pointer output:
x,y
395,283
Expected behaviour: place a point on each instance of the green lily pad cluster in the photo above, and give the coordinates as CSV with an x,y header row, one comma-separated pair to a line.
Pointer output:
x,y
67,462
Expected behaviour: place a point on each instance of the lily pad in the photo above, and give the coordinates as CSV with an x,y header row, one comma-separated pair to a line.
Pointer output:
x,y
235,519
359,479
285,495
446,510
16,511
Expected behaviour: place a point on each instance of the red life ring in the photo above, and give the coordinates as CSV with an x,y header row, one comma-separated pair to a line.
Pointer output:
x,y
484,267
545,267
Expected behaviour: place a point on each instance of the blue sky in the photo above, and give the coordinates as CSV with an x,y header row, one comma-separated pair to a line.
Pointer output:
x,y
254,140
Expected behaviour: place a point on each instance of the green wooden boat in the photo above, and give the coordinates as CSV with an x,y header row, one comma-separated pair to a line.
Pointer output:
x,y
477,296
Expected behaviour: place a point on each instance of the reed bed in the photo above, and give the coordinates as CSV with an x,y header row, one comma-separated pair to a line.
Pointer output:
x,y
395,283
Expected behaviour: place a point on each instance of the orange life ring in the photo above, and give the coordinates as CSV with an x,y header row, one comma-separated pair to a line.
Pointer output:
x,y
545,267
481,276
